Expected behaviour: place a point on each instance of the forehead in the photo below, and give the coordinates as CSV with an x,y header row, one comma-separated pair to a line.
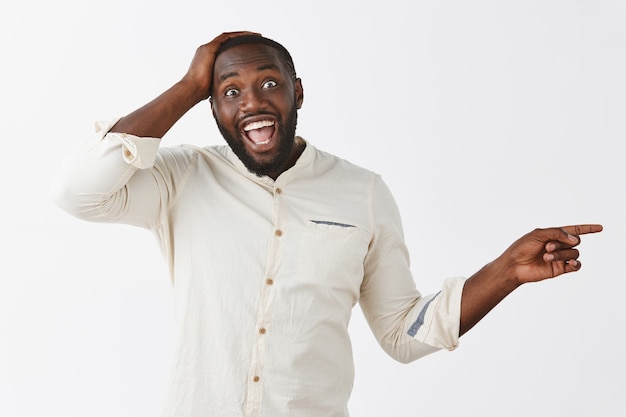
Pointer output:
x,y
251,57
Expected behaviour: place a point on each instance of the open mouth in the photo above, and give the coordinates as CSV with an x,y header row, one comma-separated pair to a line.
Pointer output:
x,y
260,132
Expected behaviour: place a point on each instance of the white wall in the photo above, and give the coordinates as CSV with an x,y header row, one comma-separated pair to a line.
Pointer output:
x,y
486,118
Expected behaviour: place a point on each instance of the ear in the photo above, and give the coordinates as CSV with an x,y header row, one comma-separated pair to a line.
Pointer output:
x,y
212,106
299,92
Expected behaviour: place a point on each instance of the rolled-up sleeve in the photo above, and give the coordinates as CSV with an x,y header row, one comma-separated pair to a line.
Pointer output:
x,y
93,182
406,324
438,319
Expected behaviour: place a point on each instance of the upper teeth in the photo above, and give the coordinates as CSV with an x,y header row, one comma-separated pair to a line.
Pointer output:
x,y
258,125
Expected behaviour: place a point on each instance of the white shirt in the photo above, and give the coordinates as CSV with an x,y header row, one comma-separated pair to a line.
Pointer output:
x,y
265,273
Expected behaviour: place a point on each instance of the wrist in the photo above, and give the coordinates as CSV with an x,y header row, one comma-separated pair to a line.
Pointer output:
x,y
195,89
504,273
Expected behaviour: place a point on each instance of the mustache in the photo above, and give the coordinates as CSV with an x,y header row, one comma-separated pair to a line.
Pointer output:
x,y
249,115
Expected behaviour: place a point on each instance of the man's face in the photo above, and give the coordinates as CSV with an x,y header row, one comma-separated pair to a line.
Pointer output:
x,y
254,102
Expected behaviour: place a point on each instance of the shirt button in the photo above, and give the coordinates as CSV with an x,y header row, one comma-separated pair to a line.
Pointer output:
x,y
262,330
278,233
256,379
269,281
279,191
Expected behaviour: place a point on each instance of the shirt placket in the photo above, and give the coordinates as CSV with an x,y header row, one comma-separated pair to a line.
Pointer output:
x,y
262,327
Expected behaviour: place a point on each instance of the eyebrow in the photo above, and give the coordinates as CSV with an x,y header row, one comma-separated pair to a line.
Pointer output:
x,y
232,74
228,75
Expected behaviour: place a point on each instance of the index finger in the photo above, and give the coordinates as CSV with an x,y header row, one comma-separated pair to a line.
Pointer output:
x,y
223,37
583,229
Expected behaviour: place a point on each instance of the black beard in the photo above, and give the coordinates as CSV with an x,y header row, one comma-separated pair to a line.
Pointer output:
x,y
286,133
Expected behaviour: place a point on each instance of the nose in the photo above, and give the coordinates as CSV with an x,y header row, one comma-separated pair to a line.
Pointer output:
x,y
252,101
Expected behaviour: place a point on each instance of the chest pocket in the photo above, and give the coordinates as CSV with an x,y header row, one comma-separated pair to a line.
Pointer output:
x,y
329,254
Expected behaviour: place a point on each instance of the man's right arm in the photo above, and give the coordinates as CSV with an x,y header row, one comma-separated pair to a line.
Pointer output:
x,y
113,178
158,116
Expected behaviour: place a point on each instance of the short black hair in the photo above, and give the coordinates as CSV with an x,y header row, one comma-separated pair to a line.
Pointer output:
x,y
283,53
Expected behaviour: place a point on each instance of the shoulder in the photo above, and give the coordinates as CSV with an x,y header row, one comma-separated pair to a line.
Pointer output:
x,y
342,168
186,153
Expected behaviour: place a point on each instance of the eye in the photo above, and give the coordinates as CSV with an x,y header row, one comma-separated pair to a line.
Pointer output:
x,y
231,92
270,84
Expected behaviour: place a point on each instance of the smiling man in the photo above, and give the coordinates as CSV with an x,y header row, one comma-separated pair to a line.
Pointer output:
x,y
271,243
256,95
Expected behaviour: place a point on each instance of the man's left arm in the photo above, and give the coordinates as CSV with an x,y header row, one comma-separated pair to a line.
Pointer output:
x,y
406,324
536,256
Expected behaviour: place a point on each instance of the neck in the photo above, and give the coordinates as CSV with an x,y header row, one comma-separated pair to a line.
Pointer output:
x,y
296,151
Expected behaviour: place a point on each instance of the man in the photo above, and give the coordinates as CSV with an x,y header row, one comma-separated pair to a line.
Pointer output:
x,y
271,242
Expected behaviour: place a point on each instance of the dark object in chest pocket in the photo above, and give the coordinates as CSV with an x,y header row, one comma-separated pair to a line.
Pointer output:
x,y
334,224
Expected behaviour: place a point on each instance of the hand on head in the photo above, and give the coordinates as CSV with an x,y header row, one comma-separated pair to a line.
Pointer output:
x,y
200,72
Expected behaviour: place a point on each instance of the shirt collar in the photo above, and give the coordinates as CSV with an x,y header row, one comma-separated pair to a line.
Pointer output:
x,y
303,160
